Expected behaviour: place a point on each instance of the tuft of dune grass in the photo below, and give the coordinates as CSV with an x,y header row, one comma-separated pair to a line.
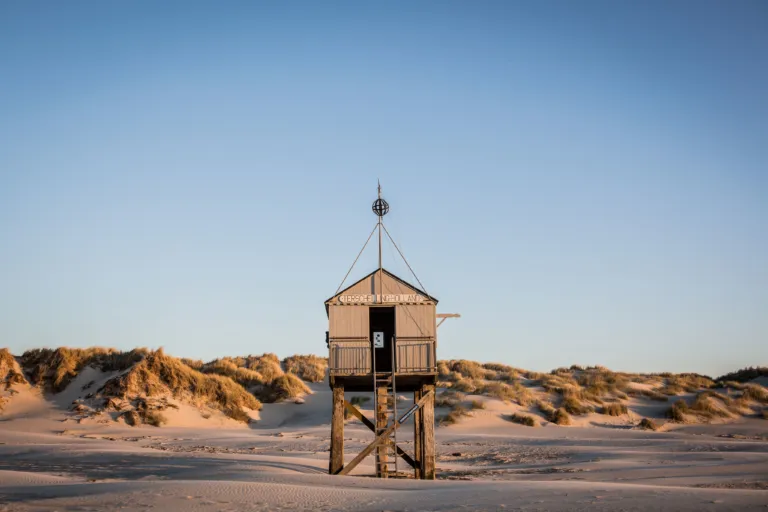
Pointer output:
x,y
283,387
755,392
614,409
453,416
522,419
574,406
546,408
10,372
471,369
654,395
647,424
561,417
703,405
678,411
307,367
477,404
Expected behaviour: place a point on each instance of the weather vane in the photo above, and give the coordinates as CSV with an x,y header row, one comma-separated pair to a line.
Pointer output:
x,y
380,206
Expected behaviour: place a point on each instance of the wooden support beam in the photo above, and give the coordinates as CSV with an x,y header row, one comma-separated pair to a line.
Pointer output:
x,y
359,415
337,431
384,435
428,432
417,441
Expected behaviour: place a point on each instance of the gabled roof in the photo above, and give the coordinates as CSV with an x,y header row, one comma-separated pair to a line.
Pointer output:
x,y
390,274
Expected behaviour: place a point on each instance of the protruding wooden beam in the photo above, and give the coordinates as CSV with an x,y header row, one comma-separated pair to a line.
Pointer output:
x,y
337,431
443,316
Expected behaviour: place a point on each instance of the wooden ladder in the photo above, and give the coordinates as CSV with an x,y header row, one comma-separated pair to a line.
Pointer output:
x,y
387,465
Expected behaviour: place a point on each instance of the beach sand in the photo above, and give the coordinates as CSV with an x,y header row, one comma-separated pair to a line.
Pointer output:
x,y
51,461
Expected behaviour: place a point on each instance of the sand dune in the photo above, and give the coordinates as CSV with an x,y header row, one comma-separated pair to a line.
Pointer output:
x,y
54,456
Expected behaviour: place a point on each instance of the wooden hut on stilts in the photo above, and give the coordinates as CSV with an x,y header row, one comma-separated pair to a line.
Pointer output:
x,y
382,338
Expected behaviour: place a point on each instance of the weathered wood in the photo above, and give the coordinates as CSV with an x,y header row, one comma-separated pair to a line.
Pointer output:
x,y
337,431
381,437
428,429
381,425
417,441
359,415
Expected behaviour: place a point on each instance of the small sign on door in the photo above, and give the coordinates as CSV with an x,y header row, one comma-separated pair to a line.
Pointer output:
x,y
378,340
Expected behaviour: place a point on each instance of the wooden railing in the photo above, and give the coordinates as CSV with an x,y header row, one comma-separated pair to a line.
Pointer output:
x,y
349,356
352,356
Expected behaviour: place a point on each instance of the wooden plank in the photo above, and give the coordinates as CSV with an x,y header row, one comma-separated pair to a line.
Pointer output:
x,y
428,422
337,431
359,415
381,437
417,441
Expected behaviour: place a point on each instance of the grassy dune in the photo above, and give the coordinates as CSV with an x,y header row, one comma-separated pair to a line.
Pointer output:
x,y
141,383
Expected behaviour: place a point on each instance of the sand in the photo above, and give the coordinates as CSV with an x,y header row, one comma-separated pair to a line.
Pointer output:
x,y
50,461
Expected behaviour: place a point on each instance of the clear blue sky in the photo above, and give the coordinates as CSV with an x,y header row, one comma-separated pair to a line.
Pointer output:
x,y
585,182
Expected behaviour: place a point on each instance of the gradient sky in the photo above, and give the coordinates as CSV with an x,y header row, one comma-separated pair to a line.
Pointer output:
x,y
585,182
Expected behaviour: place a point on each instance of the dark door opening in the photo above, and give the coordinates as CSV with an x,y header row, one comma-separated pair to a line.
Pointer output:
x,y
382,319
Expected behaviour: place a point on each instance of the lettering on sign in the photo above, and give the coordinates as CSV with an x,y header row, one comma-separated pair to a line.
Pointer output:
x,y
378,339
363,298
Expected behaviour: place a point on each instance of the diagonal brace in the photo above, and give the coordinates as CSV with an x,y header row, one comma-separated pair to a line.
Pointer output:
x,y
359,415
384,435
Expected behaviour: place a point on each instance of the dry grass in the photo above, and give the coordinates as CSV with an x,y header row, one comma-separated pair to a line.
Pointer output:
x,y
228,366
283,387
755,392
654,395
764,414
499,390
470,369
575,406
546,408
10,372
477,404
745,374
522,419
309,368
454,416
704,405
154,418
262,376
355,400
561,417
615,409
195,364
54,369
467,385
678,411
647,424
449,398
268,365
159,374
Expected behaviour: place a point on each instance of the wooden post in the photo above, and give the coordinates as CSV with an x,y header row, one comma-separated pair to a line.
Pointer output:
x,y
428,430
418,455
381,426
337,431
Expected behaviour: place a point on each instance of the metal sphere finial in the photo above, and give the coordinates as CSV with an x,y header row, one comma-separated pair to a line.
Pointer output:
x,y
380,207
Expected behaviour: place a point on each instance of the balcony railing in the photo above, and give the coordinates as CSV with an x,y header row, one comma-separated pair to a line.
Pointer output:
x,y
352,356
